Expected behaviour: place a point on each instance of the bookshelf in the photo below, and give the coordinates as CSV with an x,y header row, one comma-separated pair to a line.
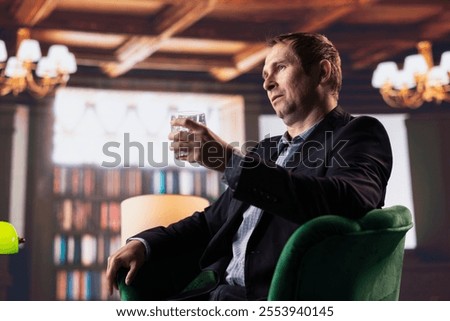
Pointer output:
x,y
87,215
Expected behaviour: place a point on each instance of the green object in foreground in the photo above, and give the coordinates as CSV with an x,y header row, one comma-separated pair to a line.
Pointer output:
x,y
9,240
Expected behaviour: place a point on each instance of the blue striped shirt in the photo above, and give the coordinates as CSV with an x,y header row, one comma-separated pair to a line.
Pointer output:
x,y
235,274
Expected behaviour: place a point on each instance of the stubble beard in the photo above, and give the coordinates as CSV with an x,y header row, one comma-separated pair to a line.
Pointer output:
x,y
289,114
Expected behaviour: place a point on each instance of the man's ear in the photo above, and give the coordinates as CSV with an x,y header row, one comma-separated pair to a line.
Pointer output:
x,y
325,71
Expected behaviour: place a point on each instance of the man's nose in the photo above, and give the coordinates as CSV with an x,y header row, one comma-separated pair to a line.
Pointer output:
x,y
269,84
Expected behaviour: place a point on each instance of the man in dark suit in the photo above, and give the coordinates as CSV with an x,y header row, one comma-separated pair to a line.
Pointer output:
x,y
327,162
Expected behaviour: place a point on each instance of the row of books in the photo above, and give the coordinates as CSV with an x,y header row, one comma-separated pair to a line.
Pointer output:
x,y
82,285
87,212
87,250
78,215
89,181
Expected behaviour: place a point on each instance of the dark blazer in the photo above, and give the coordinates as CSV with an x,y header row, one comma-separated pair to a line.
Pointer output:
x,y
342,168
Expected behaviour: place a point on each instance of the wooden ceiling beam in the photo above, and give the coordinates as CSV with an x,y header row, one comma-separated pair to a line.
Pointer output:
x,y
438,27
270,4
99,23
347,39
255,54
324,18
192,63
292,4
31,12
206,28
246,60
372,55
170,22
222,29
195,63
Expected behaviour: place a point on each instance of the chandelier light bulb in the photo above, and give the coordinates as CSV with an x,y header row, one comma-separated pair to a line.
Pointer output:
x,y
404,79
415,64
29,51
438,76
3,52
68,64
58,53
445,61
45,68
385,72
14,68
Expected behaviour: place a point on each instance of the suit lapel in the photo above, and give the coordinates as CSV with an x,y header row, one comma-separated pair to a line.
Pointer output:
x,y
316,140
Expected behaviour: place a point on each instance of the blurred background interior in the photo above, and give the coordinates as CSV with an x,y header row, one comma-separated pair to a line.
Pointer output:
x,y
85,108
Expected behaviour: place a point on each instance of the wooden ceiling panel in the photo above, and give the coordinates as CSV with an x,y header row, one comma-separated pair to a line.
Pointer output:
x,y
171,21
437,28
30,12
225,38
117,23
227,6
201,46
79,39
158,61
369,56
197,63
394,14
227,30
132,7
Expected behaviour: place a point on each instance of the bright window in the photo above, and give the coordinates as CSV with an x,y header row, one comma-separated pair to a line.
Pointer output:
x,y
104,126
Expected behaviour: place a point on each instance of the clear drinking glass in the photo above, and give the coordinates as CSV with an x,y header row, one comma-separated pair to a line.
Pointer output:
x,y
198,117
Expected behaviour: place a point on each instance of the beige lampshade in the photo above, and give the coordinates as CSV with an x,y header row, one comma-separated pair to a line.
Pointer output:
x,y
145,211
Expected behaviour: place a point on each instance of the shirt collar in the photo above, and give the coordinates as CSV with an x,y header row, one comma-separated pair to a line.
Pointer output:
x,y
299,138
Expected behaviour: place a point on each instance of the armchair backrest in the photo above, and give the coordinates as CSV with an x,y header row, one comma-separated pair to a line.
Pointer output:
x,y
334,258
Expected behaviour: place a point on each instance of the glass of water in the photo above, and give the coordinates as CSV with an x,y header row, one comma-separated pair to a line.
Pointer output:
x,y
198,117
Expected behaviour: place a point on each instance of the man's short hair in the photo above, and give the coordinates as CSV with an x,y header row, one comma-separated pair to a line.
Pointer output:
x,y
312,48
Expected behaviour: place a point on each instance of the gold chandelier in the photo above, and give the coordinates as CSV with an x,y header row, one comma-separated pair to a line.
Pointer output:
x,y
28,70
419,81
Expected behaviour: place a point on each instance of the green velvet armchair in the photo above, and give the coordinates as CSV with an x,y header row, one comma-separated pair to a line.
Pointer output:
x,y
328,258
